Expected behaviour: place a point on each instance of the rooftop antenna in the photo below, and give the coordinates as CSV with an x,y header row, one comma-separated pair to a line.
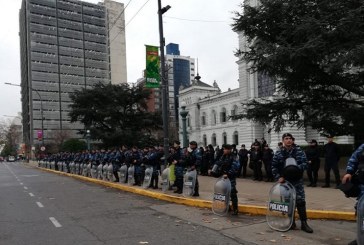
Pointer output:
x,y
198,76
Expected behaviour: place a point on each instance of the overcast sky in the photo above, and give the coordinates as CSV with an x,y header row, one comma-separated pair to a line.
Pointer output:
x,y
201,28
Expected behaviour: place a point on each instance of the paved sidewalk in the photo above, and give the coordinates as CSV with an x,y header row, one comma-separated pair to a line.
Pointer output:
x,y
322,203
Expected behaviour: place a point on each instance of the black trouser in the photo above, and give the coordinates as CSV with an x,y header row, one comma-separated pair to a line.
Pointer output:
x,y
196,191
268,169
243,165
335,169
234,197
258,175
154,180
312,171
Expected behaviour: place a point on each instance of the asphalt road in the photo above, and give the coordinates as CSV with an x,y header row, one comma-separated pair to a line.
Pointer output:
x,y
38,207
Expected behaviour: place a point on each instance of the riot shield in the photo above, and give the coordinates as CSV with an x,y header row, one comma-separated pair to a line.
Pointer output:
x,y
99,171
72,167
84,169
131,179
89,167
122,173
77,168
147,176
189,181
64,167
110,174
104,171
94,170
360,221
281,206
165,179
221,198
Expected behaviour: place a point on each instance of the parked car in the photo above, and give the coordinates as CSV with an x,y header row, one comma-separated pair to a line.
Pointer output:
x,y
11,159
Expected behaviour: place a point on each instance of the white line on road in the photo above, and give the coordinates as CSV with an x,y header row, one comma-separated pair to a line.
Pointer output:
x,y
31,194
21,183
40,205
55,222
25,188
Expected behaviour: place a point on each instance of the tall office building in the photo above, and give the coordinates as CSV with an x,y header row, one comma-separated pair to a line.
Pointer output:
x,y
66,45
181,72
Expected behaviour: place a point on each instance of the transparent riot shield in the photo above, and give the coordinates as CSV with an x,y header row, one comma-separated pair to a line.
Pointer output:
x,y
360,221
221,198
104,171
122,173
131,171
93,170
84,169
147,176
189,182
77,168
165,179
99,171
72,167
64,165
110,172
281,206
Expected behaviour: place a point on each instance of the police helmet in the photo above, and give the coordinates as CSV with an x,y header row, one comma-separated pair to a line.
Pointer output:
x,y
292,173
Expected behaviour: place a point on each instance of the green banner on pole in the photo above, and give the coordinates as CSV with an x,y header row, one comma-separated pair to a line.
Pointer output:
x,y
152,77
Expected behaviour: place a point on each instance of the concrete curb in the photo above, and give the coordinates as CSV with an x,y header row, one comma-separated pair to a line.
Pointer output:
x,y
247,209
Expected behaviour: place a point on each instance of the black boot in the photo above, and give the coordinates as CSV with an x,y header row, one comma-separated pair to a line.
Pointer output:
x,y
293,226
354,242
235,209
301,208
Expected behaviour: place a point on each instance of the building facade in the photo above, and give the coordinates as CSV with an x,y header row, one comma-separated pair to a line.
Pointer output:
x,y
209,110
66,45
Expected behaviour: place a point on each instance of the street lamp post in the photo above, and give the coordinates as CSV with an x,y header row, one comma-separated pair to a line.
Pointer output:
x,y
184,114
41,108
165,103
88,136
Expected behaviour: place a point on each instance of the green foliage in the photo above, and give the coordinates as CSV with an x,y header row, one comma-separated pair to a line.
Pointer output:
x,y
115,114
314,51
73,145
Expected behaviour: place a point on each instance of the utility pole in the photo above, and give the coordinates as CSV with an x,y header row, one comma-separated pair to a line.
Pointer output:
x,y
164,79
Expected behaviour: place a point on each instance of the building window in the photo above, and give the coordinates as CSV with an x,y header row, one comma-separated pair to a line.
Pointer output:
x,y
234,112
188,122
213,139
204,140
236,138
223,115
203,119
213,117
224,138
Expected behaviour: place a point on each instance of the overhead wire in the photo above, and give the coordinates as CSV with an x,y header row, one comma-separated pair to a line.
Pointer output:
x,y
129,21
113,24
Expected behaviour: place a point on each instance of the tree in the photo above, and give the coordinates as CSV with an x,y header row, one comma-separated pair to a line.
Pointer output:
x,y
115,114
12,140
73,145
314,51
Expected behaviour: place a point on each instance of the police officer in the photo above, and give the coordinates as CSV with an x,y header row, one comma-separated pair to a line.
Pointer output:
x,y
193,161
228,166
280,173
178,158
351,168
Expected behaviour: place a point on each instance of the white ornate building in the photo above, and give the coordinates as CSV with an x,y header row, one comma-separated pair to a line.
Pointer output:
x,y
209,110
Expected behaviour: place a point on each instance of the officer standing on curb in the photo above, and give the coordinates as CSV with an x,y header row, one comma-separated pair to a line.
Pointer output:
x,y
351,168
193,161
290,150
228,166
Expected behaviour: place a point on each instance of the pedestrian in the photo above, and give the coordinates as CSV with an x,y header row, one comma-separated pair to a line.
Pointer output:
x,y
352,167
313,163
256,161
243,160
193,161
228,166
332,156
291,150
267,156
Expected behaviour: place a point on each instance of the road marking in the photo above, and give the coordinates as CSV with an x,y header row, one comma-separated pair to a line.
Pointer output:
x,y
31,194
25,188
55,222
40,204
21,183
